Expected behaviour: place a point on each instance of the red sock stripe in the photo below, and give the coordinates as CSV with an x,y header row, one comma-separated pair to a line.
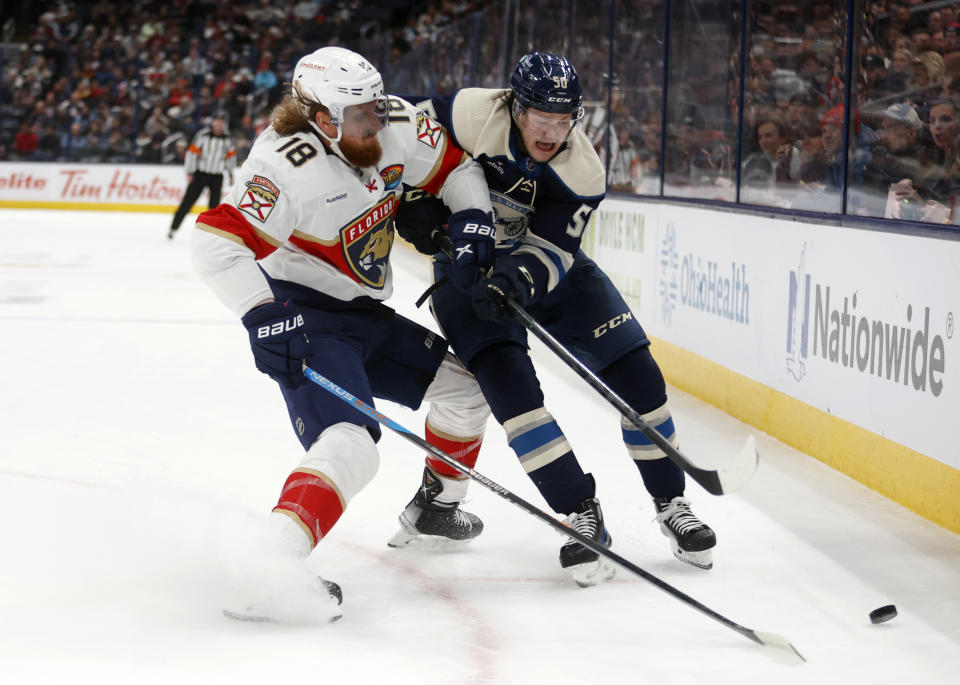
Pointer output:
x,y
464,451
313,501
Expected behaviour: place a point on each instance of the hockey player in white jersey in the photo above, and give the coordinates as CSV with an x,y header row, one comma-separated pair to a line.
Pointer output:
x,y
300,250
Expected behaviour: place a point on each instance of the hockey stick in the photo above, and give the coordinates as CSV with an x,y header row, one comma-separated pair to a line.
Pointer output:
x,y
717,482
761,638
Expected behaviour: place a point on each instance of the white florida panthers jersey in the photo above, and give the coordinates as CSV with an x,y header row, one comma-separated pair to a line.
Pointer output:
x,y
310,218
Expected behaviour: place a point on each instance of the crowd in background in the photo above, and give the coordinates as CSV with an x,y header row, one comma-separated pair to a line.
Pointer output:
x,y
112,82
903,159
132,82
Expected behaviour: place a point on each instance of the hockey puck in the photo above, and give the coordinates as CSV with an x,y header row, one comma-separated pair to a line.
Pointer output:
x,y
883,614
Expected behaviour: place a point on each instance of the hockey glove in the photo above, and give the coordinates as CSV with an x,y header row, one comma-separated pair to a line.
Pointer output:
x,y
419,215
474,246
279,341
510,278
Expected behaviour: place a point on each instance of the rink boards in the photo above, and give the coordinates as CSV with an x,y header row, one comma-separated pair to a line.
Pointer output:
x,y
840,342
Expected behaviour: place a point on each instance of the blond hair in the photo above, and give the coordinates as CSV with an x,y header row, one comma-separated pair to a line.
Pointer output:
x,y
288,117
933,62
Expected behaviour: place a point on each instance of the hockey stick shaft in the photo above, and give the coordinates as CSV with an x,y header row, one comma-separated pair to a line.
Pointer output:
x,y
709,479
765,639
713,481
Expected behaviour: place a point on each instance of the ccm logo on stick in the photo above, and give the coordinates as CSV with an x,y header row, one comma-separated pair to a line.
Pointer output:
x,y
280,327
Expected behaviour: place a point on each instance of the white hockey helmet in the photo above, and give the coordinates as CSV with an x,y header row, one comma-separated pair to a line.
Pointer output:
x,y
337,78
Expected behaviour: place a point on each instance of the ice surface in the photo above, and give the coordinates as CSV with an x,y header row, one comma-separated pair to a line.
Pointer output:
x,y
138,443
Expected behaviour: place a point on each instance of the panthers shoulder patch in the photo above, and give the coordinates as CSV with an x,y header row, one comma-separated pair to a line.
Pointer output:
x,y
260,198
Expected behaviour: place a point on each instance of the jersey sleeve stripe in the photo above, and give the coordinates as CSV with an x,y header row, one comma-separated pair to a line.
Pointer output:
x,y
557,262
332,254
228,222
451,158
314,239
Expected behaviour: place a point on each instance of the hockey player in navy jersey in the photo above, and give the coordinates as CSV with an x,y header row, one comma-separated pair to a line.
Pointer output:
x,y
300,250
545,180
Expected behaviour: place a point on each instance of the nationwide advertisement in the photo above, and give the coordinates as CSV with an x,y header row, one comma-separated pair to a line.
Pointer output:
x,y
860,324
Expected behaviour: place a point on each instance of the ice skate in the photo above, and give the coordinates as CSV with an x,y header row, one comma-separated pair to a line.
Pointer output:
x,y
433,519
691,539
586,566
271,581
319,604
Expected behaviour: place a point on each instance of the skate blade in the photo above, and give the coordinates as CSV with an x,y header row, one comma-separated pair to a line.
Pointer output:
x,y
592,573
257,618
428,543
702,559
250,618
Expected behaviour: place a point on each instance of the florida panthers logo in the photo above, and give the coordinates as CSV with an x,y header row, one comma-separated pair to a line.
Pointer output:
x,y
367,242
259,199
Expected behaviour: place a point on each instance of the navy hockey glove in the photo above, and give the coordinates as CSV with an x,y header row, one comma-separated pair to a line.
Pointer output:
x,y
419,215
510,278
474,246
279,341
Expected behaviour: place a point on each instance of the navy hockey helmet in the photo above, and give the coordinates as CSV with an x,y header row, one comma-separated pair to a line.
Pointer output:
x,y
549,83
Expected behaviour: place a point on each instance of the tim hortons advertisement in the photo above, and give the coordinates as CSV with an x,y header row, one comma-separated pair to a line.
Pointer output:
x,y
106,186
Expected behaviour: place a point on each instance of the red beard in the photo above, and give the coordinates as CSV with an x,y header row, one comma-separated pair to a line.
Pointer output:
x,y
361,152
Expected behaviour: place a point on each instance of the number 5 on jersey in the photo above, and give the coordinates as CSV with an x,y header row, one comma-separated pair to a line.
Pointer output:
x,y
579,221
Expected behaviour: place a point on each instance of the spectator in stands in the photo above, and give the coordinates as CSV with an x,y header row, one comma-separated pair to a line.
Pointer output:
x,y
808,142
928,72
800,110
933,197
625,163
48,150
74,143
877,86
26,142
826,168
901,70
117,149
777,162
156,122
697,155
894,157
265,79
943,171
152,151
95,138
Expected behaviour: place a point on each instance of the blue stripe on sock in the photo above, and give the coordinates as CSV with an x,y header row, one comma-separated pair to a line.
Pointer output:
x,y
636,437
536,438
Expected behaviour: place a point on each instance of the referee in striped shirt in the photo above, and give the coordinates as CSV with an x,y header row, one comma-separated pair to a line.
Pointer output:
x,y
210,155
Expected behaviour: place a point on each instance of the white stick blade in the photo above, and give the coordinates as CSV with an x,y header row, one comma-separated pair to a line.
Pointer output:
x,y
779,643
741,470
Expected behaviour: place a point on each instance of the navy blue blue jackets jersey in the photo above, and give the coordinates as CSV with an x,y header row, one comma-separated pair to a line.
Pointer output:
x,y
540,209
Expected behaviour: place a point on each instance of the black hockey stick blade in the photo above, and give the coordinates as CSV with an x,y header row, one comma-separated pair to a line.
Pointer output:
x,y
721,481
765,639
